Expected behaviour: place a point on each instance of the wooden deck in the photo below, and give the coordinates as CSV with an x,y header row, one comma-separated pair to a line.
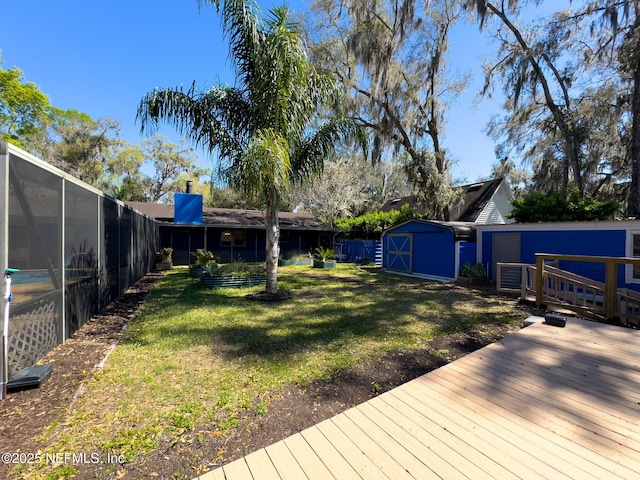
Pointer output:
x,y
546,402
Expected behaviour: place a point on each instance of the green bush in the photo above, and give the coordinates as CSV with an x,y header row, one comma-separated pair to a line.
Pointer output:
x,y
371,225
553,207
473,271
241,269
295,255
325,254
204,258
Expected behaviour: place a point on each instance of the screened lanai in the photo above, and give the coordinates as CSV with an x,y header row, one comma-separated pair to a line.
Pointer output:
x,y
76,250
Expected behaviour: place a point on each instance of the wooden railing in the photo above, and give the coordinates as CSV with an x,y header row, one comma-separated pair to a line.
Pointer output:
x,y
575,292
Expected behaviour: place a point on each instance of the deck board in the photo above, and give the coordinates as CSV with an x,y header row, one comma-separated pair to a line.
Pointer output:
x,y
546,402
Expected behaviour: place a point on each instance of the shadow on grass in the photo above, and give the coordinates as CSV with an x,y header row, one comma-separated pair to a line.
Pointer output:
x,y
328,312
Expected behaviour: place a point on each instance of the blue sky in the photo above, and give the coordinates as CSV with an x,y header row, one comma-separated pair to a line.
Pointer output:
x,y
102,56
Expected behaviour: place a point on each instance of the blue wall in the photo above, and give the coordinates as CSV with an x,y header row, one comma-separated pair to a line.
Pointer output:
x,y
467,253
434,248
357,250
610,243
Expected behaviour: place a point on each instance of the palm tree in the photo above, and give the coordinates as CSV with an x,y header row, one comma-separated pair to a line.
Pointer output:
x,y
262,127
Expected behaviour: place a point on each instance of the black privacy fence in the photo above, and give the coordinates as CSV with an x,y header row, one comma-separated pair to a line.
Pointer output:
x,y
75,248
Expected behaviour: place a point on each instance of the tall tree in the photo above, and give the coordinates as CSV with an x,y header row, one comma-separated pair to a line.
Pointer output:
x,y
570,86
172,165
124,178
23,107
262,127
391,59
83,146
537,89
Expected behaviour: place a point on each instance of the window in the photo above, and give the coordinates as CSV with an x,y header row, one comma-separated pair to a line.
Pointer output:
x,y
236,238
633,250
636,254
285,236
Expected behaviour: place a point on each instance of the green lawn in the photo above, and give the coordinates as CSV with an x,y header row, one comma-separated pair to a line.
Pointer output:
x,y
198,358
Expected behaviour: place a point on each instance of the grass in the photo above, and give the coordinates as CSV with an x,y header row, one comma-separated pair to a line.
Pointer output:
x,y
195,359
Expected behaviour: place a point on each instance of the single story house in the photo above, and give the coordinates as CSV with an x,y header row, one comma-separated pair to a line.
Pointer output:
x,y
232,234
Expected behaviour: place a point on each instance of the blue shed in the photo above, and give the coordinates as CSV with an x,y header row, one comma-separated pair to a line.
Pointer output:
x,y
429,248
519,243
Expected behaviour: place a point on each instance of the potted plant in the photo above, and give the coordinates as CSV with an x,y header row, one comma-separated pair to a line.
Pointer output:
x,y
203,258
163,259
473,274
234,275
295,257
325,258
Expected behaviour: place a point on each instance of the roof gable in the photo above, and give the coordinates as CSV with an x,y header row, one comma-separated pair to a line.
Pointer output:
x,y
475,198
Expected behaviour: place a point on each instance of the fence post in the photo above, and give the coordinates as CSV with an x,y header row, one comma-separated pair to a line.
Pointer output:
x,y
539,279
610,288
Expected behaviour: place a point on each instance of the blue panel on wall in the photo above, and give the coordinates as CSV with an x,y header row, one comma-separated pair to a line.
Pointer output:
x,y
187,208
467,253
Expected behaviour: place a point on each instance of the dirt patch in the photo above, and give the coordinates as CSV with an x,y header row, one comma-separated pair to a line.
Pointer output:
x,y
264,296
26,414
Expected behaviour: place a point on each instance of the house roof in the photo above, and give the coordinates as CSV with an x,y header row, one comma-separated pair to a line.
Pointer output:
x,y
475,199
234,218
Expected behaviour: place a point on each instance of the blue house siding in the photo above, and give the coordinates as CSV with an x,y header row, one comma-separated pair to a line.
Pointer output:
x,y
589,239
467,253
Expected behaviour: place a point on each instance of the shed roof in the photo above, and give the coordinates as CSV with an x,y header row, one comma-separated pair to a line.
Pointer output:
x,y
235,218
462,231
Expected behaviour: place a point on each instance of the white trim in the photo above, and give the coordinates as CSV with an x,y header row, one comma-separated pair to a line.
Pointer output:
x,y
420,275
597,225
564,226
456,261
63,277
628,273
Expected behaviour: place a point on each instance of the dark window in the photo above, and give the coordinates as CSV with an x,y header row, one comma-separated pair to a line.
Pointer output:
x,y
237,238
636,254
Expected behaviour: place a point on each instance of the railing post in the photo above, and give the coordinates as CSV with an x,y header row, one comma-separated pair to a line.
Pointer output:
x,y
610,288
539,279
523,282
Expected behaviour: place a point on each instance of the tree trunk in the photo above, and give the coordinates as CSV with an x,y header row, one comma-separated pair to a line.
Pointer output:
x,y
634,194
563,122
273,240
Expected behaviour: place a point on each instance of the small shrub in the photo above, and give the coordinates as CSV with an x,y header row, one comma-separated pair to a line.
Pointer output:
x,y
241,269
296,255
164,255
325,254
204,257
473,271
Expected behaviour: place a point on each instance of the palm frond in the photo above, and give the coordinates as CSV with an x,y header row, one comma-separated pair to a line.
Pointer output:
x,y
241,25
265,166
309,155
215,119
